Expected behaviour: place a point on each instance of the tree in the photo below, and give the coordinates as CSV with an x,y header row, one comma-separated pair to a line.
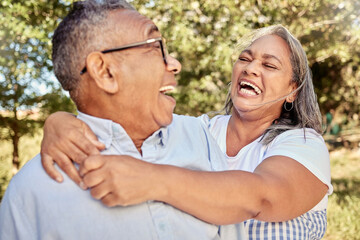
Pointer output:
x,y
25,64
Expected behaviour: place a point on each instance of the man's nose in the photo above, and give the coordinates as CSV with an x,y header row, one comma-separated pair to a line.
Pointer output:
x,y
173,65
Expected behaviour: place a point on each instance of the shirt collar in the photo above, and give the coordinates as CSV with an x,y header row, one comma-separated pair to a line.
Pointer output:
x,y
106,130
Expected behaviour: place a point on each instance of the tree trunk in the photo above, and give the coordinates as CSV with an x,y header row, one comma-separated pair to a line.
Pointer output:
x,y
16,161
15,141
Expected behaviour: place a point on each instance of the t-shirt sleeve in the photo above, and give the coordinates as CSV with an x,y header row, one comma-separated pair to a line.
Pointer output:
x,y
309,150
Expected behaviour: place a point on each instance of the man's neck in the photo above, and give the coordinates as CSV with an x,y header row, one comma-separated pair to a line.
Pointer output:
x,y
138,144
138,134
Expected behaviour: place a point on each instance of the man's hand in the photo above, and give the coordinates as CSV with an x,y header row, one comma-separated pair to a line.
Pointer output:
x,y
66,138
121,180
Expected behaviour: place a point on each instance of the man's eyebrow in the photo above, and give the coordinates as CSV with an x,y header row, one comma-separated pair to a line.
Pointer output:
x,y
152,29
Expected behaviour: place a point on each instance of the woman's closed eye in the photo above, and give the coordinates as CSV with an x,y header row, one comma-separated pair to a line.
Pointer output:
x,y
244,59
271,66
265,64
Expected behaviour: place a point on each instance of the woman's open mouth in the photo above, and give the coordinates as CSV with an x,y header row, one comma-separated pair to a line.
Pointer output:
x,y
249,88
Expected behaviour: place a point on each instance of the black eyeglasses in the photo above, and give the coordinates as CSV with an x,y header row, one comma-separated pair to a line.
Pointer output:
x,y
161,40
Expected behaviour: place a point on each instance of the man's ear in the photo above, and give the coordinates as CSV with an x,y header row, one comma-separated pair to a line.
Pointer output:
x,y
99,70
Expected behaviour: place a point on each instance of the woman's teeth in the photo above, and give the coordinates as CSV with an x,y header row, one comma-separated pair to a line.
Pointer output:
x,y
249,88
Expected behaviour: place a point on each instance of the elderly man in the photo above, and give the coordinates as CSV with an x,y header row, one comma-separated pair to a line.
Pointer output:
x,y
114,63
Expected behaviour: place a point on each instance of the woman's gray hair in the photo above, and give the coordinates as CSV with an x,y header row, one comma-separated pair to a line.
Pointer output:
x,y
305,112
82,31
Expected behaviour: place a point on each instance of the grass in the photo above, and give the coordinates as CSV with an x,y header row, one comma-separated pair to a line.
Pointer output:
x,y
344,203
29,146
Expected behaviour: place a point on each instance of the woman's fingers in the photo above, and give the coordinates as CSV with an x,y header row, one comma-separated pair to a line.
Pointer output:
x,y
100,191
65,164
48,164
93,141
69,168
76,151
83,144
118,180
92,163
65,133
110,200
94,178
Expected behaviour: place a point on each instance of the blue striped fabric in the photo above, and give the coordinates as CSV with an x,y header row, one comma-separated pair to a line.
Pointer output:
x,y
309,226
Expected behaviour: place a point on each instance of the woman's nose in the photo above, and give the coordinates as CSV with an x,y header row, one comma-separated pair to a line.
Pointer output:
x,y
252,68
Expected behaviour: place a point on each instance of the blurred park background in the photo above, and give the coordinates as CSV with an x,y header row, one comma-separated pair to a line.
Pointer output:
x,y
202,34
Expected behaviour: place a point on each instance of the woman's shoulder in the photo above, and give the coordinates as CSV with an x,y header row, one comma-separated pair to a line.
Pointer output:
x,y
300,134
301,141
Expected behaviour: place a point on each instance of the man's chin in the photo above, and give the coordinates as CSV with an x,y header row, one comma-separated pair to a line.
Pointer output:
x,y
168,120
165,112
167,117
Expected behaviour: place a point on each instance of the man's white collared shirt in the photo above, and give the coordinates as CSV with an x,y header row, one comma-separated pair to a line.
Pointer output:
x,y
36,207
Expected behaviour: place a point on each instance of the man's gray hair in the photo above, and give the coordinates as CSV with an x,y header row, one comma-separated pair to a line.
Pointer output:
x,y
305,112
82,31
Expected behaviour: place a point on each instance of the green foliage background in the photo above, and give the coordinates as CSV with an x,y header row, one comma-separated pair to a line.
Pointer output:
x,y
25,65
202,35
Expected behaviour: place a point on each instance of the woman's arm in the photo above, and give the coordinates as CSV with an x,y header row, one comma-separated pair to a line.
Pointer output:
x,y
67,139
279,189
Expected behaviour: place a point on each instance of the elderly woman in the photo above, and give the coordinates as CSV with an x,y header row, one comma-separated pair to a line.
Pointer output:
x,y
279,175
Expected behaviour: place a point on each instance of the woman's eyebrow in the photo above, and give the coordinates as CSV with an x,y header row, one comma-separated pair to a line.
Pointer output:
x,y
247,51
267,56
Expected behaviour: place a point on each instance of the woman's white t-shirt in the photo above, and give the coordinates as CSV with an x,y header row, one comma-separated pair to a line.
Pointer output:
x,y
309,150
